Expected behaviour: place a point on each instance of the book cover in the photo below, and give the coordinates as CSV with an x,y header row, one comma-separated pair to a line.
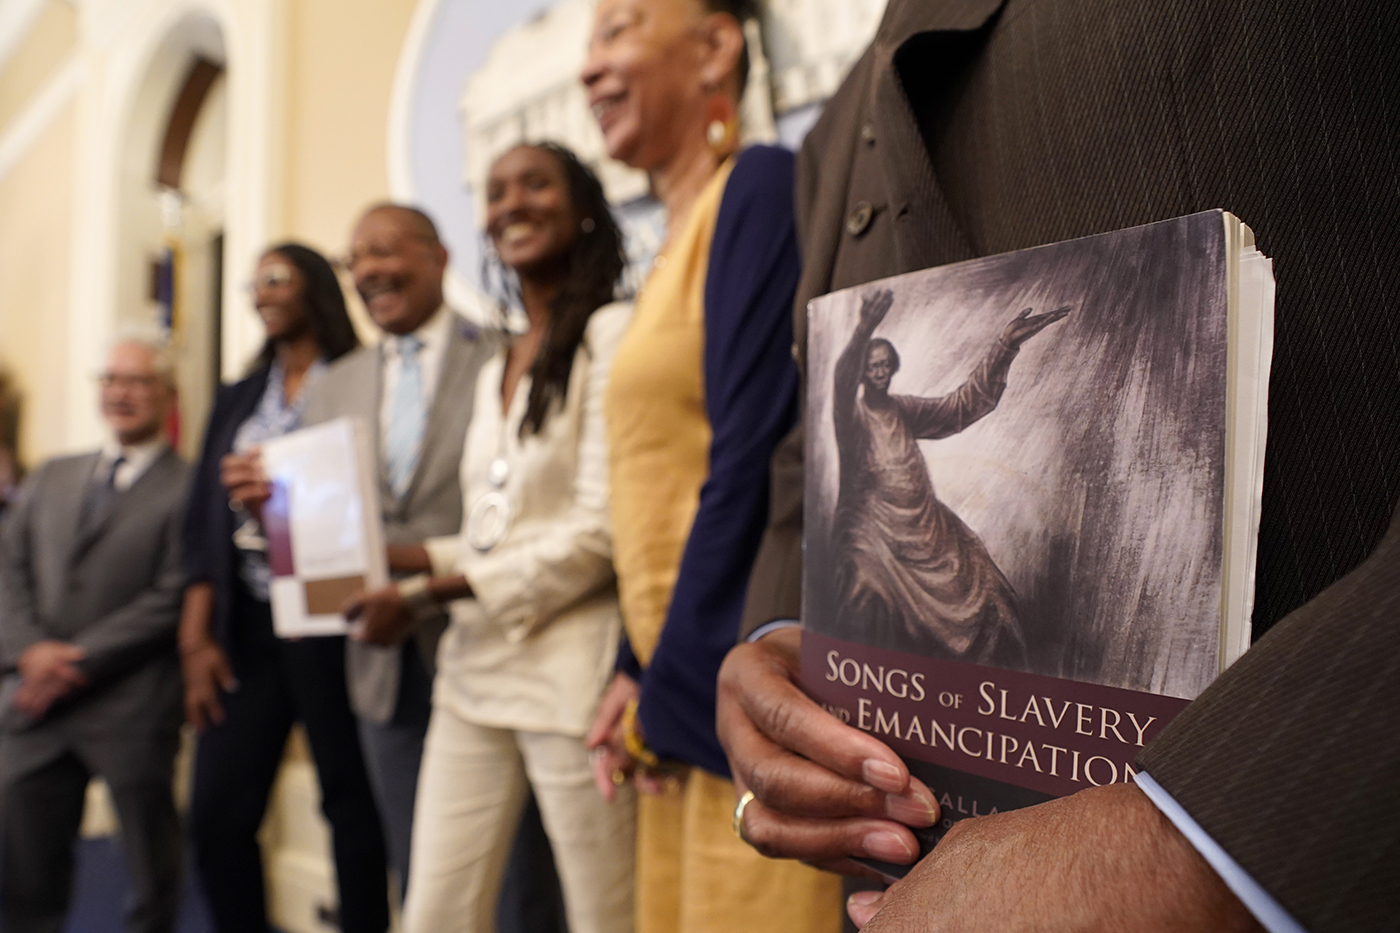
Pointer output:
x,y
324,539
1031,503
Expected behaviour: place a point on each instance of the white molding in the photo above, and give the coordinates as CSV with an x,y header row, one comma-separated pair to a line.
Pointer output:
x,y
125,38
26,126
401,100
459,293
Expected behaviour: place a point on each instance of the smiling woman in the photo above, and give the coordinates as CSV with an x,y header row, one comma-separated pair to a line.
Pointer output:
x,y
535,618
703,389
244,687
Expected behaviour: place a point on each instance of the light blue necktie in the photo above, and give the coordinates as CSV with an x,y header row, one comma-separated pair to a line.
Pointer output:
x,y
404,437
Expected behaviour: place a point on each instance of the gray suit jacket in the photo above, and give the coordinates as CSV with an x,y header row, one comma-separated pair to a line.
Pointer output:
x,y
431,507
114,591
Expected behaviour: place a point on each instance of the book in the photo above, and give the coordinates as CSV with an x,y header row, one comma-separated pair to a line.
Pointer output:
x,y
1032,503
325,542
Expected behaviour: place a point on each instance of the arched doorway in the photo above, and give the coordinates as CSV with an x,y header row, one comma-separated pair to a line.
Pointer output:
x,y
171,212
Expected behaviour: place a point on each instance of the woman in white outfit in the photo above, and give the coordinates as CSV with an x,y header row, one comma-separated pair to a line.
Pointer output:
x,y
535,619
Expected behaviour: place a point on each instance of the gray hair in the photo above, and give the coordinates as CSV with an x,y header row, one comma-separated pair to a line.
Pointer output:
x,y
155,341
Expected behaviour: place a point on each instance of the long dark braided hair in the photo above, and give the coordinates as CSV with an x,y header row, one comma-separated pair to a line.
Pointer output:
x,y
592,269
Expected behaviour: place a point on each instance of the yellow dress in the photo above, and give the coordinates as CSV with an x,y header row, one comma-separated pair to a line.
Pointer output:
x,y
693,874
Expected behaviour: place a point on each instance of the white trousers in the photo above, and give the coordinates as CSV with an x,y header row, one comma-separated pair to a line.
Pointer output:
x,y
471,792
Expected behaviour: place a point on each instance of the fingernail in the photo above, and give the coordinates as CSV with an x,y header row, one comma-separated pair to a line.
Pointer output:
x,y
914,810
889,847
882,775
862,906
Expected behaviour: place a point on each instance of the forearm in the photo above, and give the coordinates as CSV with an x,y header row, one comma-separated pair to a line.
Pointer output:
x,y
18,631
196,617
1102,859
523,587
409,558
132,633
147,624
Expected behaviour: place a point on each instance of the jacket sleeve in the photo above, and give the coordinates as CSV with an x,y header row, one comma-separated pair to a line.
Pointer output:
x,y
527,582
126,636
1291,753
201,538
751,401
19,621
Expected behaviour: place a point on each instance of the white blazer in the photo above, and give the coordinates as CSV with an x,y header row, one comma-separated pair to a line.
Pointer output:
x,y
536,645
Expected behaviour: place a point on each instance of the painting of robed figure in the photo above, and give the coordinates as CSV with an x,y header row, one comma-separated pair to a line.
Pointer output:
x,y
907,565
1018,461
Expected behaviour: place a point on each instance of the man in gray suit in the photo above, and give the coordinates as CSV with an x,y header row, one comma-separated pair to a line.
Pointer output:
x,y
90,586
414,392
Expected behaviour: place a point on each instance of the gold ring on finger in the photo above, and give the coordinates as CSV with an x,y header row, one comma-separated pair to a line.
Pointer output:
x,y
744,801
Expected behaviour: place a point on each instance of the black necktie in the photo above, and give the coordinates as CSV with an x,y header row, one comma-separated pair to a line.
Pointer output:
x,y
99,496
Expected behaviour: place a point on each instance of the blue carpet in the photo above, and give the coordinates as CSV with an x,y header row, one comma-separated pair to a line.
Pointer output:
x,y
102,885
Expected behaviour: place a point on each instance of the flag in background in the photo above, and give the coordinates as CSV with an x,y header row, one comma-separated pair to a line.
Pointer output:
x,y
167,274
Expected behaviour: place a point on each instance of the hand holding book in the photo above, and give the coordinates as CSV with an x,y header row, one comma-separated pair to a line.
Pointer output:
x,y
824,791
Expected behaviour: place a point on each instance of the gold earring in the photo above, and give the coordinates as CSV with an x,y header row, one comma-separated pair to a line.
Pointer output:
x,y
716,133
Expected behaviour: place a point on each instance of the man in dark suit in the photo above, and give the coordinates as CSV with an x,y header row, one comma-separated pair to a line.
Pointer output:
x,y
413,391
90,585
973,127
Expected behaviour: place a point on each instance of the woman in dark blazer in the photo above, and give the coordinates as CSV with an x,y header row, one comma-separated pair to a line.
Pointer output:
x,y
244,687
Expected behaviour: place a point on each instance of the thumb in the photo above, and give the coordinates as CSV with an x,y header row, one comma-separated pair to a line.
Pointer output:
x,y
862,906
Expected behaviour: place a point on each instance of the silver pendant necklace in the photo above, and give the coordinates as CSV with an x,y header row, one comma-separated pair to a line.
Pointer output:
x,y
489,519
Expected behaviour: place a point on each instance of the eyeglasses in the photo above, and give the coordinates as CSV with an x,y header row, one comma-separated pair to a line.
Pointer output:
x,y
126,381
271,277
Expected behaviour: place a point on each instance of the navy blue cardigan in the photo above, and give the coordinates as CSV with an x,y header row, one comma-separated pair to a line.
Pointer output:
x,y
210,556
751,401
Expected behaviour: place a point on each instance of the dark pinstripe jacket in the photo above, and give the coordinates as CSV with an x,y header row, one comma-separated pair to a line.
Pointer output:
x,y
973,127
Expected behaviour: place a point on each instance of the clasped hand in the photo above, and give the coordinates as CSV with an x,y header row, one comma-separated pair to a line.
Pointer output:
x,y
48,672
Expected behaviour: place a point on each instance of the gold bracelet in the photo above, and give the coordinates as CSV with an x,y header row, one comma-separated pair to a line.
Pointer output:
x,y
632,737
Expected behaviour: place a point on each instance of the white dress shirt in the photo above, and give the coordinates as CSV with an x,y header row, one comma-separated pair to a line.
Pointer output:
x,y
1256,899
136,459
434,333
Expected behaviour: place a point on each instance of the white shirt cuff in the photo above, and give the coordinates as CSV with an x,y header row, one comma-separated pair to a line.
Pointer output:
x,y
1256,900
773,626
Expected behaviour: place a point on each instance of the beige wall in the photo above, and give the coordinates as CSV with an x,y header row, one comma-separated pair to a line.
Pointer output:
x,y
340,66
53,35
35,232
340,71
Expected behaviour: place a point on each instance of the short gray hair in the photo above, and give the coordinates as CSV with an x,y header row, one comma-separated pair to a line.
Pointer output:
x,y
154,340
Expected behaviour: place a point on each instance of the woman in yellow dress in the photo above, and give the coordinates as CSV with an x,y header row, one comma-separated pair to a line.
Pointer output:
x,y
703,388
